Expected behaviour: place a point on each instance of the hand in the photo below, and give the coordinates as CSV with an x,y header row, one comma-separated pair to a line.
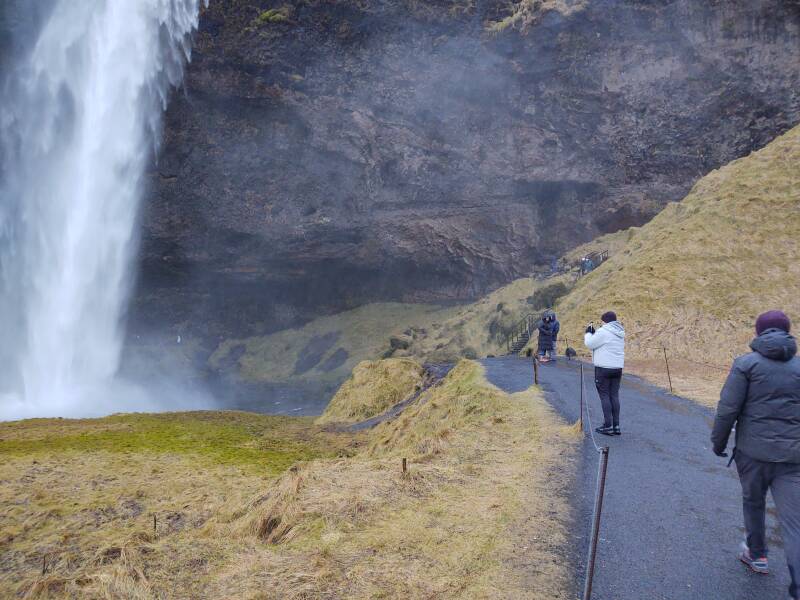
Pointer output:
x,y
590,329
721,452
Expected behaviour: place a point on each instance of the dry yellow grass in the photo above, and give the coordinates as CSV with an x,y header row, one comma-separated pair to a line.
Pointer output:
x,y
696,276
487,476
80,496
373,387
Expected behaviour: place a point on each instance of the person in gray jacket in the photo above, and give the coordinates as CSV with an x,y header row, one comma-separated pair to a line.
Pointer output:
x,y
762,398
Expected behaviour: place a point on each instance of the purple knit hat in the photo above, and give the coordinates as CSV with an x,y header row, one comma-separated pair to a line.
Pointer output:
x,y
609,317
773,319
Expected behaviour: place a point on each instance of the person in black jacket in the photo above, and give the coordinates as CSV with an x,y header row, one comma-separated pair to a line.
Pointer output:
x,y
762,398
548,327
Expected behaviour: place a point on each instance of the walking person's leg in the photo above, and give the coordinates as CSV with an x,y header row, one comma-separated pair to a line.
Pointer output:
x,y
755,477
603,384
786,493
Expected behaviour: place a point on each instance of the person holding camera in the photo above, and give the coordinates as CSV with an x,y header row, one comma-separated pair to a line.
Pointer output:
x,y
608,356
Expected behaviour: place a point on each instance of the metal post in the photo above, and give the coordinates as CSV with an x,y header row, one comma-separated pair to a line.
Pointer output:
x,y
582,380
535,371
666,360
598,509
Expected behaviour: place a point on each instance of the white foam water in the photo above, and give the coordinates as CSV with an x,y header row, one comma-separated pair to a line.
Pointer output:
x,y
80,119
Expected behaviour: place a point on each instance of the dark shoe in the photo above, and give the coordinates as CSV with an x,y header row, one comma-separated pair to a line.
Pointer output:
x,y
605,430
759,565
617,430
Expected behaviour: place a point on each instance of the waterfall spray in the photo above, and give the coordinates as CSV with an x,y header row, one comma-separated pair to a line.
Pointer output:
x,y
80,120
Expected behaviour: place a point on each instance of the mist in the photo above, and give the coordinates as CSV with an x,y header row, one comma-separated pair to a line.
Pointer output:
x,y
81,121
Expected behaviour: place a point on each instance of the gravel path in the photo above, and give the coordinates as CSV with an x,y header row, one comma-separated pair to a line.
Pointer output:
x,y
672,514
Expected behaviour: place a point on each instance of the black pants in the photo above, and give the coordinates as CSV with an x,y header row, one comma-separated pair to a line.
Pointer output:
x,y
608,382
783,480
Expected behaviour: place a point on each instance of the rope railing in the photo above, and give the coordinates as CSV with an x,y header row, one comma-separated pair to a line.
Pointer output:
x,y
659,353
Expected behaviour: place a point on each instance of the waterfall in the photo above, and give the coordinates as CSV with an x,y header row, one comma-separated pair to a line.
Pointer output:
x,y
80,120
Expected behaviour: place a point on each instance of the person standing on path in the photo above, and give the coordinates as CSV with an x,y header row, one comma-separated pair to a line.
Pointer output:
x,y
548,327
608,355
762,398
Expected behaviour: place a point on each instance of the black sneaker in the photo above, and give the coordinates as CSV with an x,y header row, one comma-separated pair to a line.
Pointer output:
x,y
617,430
605,430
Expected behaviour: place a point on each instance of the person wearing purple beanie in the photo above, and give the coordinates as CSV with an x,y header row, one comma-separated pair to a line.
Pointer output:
x,y
762,398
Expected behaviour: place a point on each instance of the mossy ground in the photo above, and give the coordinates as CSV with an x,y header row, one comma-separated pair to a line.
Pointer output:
x,y
258,443
342,521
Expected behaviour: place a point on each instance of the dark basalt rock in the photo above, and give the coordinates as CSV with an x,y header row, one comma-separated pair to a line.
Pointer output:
x,y
353,152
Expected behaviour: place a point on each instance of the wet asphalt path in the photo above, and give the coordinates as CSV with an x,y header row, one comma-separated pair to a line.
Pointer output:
x,y
672,514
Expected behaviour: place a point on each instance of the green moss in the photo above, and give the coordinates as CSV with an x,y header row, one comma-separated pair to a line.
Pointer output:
x,y
547,296
273,15
258,442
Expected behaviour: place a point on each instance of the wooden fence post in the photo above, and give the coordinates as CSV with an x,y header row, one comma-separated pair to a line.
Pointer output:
x,y
666,361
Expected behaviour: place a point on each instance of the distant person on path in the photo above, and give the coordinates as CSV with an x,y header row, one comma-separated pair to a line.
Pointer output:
x,y
762,398
548,327
587,265
608,355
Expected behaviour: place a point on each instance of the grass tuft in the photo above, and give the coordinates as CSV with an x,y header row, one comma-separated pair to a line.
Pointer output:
x,y
373,387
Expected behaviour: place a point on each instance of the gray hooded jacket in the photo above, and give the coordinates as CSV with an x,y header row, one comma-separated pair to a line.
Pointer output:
x,y
762,396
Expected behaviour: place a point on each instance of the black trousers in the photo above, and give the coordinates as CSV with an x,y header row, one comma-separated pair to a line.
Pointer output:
x,y
783,480
608,382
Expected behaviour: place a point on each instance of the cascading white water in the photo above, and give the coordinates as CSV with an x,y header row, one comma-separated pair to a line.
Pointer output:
x,y
80,120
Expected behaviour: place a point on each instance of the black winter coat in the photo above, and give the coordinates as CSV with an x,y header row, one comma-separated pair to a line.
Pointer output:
x,y
548,334
762,396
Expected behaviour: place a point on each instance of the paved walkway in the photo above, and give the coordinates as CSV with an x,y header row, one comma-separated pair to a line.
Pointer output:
x,y
672,514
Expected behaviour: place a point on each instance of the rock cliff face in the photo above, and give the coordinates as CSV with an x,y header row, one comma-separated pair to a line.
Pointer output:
x,y
325,154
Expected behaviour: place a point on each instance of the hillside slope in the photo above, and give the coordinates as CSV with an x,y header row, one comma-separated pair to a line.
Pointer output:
x,y
325,351
696,276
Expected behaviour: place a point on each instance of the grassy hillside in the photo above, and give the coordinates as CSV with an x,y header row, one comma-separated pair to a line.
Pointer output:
x,y
249,506
327,349
479,329
696,276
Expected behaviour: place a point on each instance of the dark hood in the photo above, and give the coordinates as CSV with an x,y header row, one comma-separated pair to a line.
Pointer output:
x,y
775,344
